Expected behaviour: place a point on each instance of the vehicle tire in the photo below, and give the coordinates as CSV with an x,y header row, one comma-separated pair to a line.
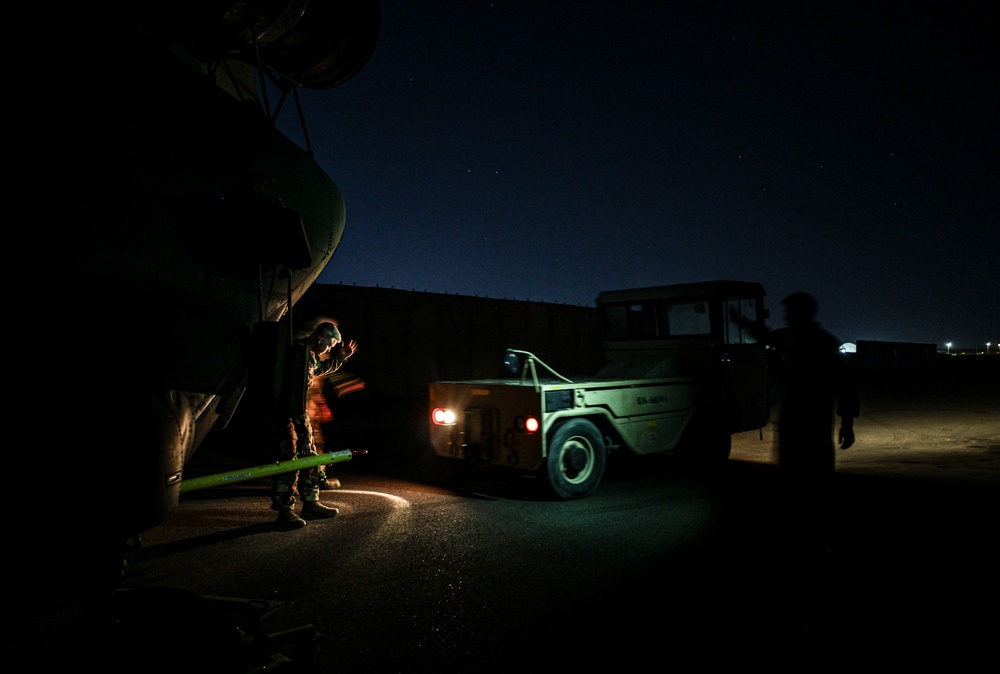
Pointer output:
x,y
576,459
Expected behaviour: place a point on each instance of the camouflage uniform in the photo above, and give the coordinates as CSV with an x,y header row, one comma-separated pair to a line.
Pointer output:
x,y
298,439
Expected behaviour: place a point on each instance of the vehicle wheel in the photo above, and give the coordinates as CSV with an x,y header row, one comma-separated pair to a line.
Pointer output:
x,y
576,459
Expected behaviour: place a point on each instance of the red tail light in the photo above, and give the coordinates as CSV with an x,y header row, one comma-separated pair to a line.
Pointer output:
x,y
443,417
526,424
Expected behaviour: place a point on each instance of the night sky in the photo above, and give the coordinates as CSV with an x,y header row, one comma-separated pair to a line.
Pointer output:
x,y
551,150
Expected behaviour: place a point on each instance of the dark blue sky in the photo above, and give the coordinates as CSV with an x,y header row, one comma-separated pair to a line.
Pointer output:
x,y
552,150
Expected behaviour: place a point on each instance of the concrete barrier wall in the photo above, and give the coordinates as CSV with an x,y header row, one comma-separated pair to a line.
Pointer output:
x,y
408,339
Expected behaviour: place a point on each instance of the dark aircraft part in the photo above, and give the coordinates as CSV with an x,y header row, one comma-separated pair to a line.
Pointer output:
x,y
151,369
296,379
241,235
325,45
159,216
317,45
279,372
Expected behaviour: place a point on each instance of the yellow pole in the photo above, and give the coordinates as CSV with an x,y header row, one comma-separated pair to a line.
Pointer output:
x,y
276,468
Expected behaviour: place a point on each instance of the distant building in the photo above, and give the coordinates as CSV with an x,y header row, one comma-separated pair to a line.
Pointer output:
x,y
893,355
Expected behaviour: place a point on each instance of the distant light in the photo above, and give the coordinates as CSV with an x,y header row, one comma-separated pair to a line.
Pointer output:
x,y
848,347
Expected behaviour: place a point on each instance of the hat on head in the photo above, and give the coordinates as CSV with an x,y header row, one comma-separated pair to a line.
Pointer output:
x,y
802,305
328,329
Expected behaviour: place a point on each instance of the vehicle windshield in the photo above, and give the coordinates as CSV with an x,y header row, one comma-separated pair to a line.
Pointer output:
x,y
666,319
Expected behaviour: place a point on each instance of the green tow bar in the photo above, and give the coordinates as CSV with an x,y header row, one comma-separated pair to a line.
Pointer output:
x,y
267,469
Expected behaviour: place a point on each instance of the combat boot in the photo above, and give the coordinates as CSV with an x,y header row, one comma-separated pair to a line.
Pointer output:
x,y
287,519
316,510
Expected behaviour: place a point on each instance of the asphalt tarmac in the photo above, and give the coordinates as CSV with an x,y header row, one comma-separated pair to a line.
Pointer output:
x,y
664,566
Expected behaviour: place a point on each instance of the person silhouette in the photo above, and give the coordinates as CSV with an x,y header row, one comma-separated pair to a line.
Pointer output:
x,y
815,382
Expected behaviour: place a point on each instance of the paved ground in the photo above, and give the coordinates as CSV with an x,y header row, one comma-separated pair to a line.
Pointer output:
x,y
939,425
419,576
